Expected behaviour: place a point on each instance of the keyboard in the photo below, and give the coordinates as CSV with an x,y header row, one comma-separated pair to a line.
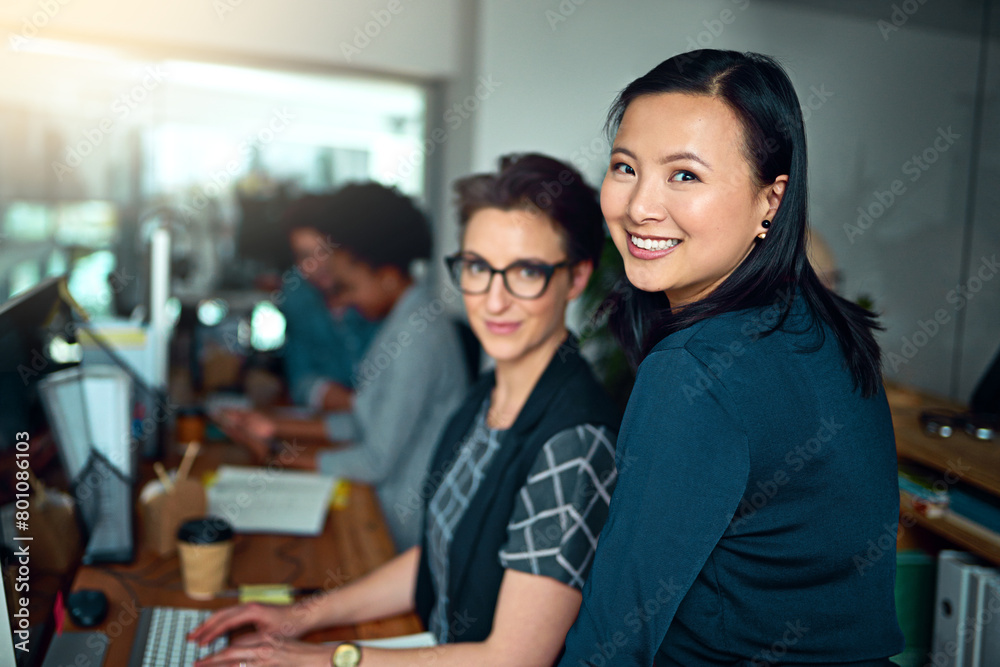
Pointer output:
x,y
161,638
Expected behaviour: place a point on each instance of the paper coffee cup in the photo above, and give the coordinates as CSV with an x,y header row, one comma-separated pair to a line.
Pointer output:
x,y
206,549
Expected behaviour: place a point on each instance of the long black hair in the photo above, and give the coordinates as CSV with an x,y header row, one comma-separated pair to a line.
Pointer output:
x,y
761,95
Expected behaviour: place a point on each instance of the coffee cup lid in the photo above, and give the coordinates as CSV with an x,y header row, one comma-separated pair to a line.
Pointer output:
x,y
206,530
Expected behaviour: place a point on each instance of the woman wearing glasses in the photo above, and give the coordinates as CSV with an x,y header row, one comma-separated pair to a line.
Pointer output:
x,y
518,489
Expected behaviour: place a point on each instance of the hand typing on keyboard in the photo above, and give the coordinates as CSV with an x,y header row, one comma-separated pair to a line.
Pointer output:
x,y
273,641
286,653
268,621
163,638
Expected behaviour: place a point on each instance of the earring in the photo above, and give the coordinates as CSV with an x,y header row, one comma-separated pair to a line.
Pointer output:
x,y
765,224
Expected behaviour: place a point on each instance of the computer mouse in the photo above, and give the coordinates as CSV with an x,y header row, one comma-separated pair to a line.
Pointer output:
x,y
87,607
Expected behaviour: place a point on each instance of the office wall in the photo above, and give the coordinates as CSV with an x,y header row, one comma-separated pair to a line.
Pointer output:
x,y
874,99
540,75
981,337
393,36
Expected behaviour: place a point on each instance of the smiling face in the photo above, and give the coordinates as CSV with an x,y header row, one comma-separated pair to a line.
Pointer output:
x,y
679,196
513,329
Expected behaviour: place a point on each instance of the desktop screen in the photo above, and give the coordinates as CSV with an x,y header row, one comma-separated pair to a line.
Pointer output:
x,y
26,323
29,324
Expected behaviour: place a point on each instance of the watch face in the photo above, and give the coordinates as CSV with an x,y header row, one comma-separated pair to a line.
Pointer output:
x,y
346,655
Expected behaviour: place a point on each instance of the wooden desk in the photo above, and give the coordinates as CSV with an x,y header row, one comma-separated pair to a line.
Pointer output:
x,y
354,541
973,461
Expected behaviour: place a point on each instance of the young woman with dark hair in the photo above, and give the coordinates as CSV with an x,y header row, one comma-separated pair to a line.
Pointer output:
x,y
410,380
518,490
763,446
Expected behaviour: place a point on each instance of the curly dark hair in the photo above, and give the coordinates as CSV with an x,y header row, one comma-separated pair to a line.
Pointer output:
x,y
308,212
379,226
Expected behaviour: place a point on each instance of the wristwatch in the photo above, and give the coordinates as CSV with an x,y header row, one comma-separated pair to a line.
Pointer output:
x,y
346,655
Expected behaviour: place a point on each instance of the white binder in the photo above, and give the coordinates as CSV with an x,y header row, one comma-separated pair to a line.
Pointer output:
x,y
984,604
952,637
967,613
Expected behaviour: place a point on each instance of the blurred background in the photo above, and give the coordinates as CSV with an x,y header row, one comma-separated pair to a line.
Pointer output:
x,y
208,116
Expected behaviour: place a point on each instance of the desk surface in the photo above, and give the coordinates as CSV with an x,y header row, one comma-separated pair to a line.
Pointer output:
x,y
354,541
975,462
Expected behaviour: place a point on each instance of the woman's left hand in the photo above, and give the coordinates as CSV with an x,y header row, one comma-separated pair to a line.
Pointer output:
x,y
256,651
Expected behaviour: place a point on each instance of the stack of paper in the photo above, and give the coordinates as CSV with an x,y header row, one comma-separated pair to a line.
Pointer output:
x,y
262,500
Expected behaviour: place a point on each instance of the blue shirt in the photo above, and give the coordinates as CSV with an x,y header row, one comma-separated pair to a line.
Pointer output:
x,y
755,516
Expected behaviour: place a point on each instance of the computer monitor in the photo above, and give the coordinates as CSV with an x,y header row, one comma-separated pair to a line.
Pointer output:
x,y
29,323
986,396
88,408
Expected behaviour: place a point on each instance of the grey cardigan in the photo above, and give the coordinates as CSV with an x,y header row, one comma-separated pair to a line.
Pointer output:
x,y
410,381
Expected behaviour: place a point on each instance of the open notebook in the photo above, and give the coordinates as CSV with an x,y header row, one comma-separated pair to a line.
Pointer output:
x,y
262,500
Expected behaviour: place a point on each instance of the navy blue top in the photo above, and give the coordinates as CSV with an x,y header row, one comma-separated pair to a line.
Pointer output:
x,y
755,515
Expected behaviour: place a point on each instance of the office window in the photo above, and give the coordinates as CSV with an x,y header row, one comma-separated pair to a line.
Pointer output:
x,y
101,146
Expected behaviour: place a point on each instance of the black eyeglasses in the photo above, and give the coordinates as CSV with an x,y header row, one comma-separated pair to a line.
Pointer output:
x,y
524,279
